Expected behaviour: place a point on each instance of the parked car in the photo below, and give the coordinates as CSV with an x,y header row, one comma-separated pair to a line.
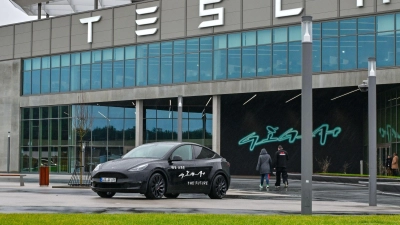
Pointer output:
x,y
164,169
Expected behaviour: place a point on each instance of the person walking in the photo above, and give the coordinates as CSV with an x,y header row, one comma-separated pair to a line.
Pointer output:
x,y
281,158
264,167
395,165
388,165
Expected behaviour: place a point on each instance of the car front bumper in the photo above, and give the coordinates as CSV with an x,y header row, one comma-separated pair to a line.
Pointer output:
x,y
132,182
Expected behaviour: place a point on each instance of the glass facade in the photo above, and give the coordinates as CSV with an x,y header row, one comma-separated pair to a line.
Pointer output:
x,y
338,45
161,124
48,136
388,121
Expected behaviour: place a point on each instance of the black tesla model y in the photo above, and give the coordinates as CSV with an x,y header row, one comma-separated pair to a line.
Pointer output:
x,y
164,169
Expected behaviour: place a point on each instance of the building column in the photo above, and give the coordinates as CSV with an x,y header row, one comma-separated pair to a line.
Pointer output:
x,y
216,124
10,114
139,123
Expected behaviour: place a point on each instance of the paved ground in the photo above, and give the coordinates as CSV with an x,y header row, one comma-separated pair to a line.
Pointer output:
x,y
244,197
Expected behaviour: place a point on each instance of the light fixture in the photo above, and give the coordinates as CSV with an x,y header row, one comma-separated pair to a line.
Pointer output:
x,y
103,115
293,98
306,29
372,66
250,99
133,104
169,115
343,95
393,99
66,113
208,101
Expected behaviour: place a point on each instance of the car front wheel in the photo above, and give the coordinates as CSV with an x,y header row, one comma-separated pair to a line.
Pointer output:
x,y
106,194
156,187
219,187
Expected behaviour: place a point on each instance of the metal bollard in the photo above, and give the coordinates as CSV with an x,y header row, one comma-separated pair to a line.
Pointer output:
x,y
361,167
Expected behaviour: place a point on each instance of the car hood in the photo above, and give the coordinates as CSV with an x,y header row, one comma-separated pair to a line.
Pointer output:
x,y
125,163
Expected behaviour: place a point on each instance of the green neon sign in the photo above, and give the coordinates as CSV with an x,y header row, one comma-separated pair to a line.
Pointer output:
x,y
389,132
290,135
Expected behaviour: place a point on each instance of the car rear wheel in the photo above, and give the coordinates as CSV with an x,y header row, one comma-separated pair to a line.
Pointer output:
x,y
106,194
219,187
156,187
174,195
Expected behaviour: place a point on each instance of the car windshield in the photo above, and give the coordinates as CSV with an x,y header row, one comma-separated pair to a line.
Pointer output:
x,y
156,150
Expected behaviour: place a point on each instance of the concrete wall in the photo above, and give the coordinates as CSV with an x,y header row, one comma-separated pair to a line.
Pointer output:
x,y
9,112
176,19
41,37
6,42
60,34
266,84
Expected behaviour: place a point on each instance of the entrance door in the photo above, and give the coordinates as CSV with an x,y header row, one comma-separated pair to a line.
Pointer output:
x,y
383,152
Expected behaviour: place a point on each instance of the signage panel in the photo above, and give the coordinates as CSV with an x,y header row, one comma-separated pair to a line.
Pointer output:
x,y
218,12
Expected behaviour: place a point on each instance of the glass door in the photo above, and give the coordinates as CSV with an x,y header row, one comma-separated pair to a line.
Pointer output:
x,y
383,152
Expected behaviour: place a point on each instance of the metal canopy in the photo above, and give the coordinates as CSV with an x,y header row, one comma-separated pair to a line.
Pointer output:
x,y
62,7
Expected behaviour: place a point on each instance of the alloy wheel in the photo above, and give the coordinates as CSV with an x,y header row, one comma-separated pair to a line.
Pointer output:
x,y
220,186
157,186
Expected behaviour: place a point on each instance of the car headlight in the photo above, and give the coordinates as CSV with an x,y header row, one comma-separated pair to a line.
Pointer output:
x,y
97,167
138,168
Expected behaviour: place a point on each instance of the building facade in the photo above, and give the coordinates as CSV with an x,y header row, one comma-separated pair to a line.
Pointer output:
x,y
236,64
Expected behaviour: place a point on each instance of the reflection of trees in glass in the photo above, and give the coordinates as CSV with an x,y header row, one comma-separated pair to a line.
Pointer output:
x,y
114,134
130,133
197,134
168,135
82,122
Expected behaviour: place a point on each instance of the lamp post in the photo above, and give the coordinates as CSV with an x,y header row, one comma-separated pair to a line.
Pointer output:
x,y
306,116
180,103
372,130
83,155
8,153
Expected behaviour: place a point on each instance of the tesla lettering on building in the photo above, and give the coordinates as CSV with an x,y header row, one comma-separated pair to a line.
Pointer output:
x,y
219,12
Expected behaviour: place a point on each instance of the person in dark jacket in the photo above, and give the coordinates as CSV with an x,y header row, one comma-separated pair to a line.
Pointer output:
x,y
264,167
281,158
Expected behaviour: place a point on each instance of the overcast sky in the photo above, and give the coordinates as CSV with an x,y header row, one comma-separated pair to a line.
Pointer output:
x,y
9,14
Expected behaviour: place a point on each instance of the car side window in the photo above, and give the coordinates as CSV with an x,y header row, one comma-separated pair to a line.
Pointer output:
x,y
203,153
184,151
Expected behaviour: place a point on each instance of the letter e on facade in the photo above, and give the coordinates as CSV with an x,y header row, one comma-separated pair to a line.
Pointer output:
x,y
147,21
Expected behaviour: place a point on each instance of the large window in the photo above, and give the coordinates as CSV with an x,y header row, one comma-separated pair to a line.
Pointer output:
x,y
48,136
337,45
160,124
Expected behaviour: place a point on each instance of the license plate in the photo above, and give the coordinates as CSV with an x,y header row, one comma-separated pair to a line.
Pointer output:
x,y
108,179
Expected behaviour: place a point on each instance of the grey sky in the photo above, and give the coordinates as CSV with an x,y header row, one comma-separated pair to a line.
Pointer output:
x,y
9,14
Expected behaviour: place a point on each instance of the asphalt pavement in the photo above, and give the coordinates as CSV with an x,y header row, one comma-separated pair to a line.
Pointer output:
x,y
243,197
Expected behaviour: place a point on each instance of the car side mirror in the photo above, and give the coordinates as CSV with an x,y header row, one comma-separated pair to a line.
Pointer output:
x,y
176,158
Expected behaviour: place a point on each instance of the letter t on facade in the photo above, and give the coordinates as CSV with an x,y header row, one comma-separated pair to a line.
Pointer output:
x,y
90,21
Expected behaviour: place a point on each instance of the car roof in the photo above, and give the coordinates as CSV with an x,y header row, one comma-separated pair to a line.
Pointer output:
x,y
176,143
172,142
